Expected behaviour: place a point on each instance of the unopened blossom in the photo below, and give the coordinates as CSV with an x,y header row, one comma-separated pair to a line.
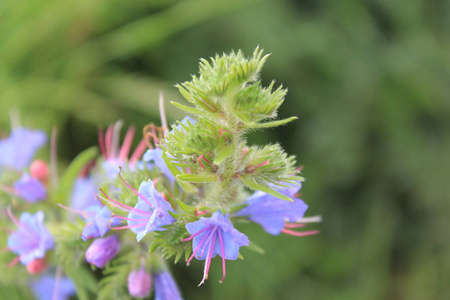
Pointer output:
x,y
151,212
39,170
30,188
44,288
103,250
32,239
212,236
274,214
139,283
36,266
18,149
166,287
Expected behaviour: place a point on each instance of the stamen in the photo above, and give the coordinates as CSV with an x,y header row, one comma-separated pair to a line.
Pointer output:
x,y
126,146
137,154
115,138
196,249
295,233
57,282
121,205
209,257
8,189
223,255
12,217
128,226
123,218
293,225
131,188
72,209
197,233
108,141
13,262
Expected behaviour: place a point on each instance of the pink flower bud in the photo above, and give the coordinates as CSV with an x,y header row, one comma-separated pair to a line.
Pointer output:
x,y
103,250
139,283
36,266
39,170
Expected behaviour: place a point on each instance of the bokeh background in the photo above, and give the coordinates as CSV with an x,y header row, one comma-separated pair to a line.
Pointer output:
x,y
369,80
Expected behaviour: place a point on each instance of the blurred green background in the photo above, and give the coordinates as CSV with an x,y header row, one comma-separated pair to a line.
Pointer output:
x,y
369,80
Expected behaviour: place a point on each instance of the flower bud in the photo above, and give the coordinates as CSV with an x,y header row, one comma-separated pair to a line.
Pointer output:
x,y
36,266
39,170
103,250
139,283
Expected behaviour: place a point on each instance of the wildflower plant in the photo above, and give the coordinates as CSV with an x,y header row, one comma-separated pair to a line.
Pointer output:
x,y
183,192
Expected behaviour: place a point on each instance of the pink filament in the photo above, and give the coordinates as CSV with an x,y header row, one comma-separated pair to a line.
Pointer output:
x,y
13,262
197,233
131,188
196,249
293,225
295,233
209,256
126,146
125,207
128,226
223,256
137,154
12,217
123,218
108,141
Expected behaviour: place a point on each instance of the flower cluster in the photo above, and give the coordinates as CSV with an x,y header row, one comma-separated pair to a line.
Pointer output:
x,y
184,190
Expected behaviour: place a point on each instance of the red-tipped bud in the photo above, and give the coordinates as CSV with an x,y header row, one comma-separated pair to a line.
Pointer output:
x,y
36,266
39,170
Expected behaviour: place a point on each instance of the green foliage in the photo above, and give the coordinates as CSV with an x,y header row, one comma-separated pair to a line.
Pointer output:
x,y
114,283
70,248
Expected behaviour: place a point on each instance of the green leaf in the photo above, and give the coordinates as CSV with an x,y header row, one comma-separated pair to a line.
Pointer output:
x,y
272,123
256,186
222,153
68,178
188,109
256,248
199,178
185,207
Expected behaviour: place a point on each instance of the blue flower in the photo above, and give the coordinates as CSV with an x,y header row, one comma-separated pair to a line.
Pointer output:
x,y
18,149
30,188
212,236
166,287
151,212
44,287
103,250
272,212
31,239
99,221
155,156
83,194
139,283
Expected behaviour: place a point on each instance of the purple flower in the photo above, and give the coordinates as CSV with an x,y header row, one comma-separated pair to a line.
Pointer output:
x,y
212,236
99,221
139,283
18,149
272,212
103,250
165,287
83,194
151,212
44,288
155,156
31,239
30,189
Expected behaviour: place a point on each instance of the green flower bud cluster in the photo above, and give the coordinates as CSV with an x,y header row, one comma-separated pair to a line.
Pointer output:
x,y
209,156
